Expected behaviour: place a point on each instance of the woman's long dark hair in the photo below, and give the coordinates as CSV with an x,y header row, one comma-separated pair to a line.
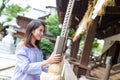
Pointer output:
x,y
34,24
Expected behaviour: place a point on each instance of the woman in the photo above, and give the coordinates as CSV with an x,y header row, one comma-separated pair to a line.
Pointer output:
x,y
29,57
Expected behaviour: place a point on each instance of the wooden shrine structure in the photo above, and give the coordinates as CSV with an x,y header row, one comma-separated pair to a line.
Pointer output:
x,y
106,26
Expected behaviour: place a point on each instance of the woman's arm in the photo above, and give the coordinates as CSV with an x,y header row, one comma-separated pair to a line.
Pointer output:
x,y
54,58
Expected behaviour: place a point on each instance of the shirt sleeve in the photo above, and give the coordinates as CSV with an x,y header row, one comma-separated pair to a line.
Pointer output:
x,y
45,68
24,64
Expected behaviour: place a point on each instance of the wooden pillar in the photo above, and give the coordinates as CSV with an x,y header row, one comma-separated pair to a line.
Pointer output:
x,y
87,47
74,52
75,48
119,53
114,52
108,68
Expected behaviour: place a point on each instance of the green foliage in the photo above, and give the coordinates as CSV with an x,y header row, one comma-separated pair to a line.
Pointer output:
x,y
96,46
13,10
46,46
95,43
9,18
1,26
82,41
71,32
3,5
52,24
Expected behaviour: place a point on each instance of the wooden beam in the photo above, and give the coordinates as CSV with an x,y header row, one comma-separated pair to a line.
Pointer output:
x,y
113,10
79,65
109,41
88,43
87,48
51,38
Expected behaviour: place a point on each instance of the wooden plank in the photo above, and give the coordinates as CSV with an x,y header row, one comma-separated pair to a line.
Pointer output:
x,y
99,72
96,74
115,72
115,77
116,66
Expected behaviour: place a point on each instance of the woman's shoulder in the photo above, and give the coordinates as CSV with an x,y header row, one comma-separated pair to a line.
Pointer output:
x,y
21,48
21,44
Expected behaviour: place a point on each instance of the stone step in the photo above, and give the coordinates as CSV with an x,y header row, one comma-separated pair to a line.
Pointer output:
x,y
7,63
7,74
4,78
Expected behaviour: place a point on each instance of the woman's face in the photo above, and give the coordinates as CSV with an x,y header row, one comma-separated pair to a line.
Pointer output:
x,y
38,32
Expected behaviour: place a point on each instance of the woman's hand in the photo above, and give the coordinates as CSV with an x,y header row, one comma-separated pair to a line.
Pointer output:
x,y
54,58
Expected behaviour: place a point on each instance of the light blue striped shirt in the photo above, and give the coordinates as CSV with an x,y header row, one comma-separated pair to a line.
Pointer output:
x,y
28,64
